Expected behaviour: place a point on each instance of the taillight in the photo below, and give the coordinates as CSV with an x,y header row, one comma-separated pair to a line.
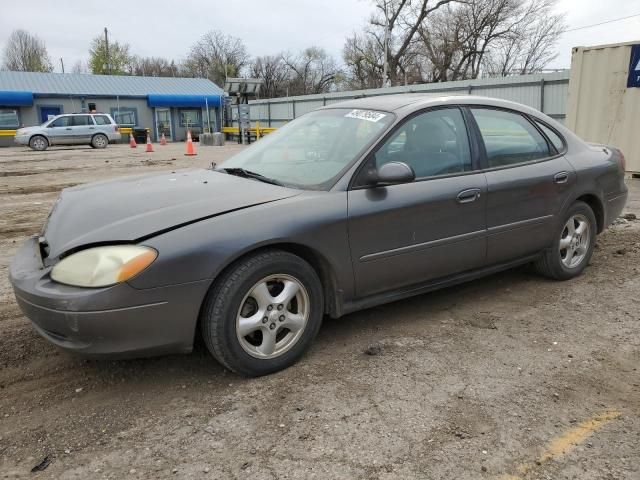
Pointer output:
x,y
116,128
622,161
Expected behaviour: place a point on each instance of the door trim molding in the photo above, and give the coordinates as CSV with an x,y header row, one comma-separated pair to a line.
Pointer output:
x,y
422,246
520,224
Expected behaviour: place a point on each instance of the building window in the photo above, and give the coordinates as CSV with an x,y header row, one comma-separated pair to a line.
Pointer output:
x,y
9,118
191,118
125,116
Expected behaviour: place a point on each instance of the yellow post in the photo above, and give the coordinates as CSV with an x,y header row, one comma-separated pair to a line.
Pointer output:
x,y
257,130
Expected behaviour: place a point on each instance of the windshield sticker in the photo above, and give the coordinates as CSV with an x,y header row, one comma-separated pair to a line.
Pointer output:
x,y
368,115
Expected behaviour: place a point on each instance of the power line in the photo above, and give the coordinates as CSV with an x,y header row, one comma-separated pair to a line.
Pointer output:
x,y
601,23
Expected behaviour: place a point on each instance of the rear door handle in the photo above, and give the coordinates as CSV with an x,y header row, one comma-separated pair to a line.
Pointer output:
x,y
468,196
68,128
562,177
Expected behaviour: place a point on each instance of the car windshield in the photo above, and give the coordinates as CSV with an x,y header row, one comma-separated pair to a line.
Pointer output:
x,y
312,151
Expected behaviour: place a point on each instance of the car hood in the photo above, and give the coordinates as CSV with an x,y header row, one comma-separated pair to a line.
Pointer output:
x,y
134,208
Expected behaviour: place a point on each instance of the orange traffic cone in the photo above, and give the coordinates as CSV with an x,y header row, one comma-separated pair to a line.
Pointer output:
x,y
163,140
149,146
132,141
190,150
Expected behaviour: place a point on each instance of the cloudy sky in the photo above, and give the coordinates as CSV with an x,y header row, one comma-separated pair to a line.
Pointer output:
x,y
167,28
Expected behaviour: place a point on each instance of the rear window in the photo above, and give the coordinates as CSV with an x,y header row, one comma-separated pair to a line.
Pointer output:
x,y
556,140
102,120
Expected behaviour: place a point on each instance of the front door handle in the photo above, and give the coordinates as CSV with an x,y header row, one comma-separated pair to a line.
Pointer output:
x,y
468,196
562,177
68,128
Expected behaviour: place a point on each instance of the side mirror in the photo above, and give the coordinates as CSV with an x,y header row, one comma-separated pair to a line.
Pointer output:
x,y
394,173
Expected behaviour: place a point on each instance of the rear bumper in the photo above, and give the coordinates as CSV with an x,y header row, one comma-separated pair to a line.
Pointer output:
x,y
117,321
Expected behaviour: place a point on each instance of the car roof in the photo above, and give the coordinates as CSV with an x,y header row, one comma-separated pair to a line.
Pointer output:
x,y
414,101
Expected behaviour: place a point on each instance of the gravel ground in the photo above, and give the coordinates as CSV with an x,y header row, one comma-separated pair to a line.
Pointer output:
x,y
512,376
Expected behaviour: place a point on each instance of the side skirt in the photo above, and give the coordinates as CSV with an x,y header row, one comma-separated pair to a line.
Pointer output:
x,y
393,296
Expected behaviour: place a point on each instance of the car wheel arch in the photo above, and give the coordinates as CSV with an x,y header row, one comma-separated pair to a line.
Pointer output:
x,y
596,205
40,135
318,261
322,267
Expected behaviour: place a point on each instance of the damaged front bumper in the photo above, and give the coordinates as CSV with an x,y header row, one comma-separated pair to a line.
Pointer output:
x,y
120,320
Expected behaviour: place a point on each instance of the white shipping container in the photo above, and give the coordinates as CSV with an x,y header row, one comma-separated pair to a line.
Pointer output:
x,y
601,108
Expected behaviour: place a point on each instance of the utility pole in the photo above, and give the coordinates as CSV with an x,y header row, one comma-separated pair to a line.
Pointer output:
x,y
62,64
385,67
106,48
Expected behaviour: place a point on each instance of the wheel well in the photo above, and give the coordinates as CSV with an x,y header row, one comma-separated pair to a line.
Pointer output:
x,y
38,135
597,208
313,258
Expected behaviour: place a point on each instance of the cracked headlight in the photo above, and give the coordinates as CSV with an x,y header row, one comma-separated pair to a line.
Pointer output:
x,y
103,266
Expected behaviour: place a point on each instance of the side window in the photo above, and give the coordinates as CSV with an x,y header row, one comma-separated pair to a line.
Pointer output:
x,y
556,140
432,143
82,120
61,122
101,120
509,138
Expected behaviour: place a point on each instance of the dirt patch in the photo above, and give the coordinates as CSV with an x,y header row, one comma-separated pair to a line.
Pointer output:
x,y
470,382
35,189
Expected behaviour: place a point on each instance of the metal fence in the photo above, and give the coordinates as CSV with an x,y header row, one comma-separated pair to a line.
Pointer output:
x,y
546,92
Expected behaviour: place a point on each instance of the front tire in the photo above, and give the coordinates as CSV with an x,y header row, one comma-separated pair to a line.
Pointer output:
x,y
38,143
263,313
573,244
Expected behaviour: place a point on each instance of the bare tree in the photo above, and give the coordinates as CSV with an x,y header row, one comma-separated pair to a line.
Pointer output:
x,y
363,56
216,56
402,19
437,41
26,53
273,73
311,71
153,67
530,47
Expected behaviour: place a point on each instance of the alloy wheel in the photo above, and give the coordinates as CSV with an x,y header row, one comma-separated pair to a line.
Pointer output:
x,y
272,316
574,241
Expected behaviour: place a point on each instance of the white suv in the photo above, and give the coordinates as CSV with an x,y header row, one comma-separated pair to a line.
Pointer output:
x,y
95,129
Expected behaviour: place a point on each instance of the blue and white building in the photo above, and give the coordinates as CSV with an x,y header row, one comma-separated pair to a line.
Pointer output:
x,y
161,104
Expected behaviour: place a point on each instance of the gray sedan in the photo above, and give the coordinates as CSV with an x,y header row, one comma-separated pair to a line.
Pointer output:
x,y
350,206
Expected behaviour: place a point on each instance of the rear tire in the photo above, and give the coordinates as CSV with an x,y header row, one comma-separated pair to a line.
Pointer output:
x,y
38,143
99,141
573,244
263,313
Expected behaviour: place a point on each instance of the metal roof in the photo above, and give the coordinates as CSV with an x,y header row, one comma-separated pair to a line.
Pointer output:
x,y
42,84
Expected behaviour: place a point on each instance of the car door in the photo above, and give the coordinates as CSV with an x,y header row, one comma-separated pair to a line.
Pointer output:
x,y
528,183
83,129
406,234
60,131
